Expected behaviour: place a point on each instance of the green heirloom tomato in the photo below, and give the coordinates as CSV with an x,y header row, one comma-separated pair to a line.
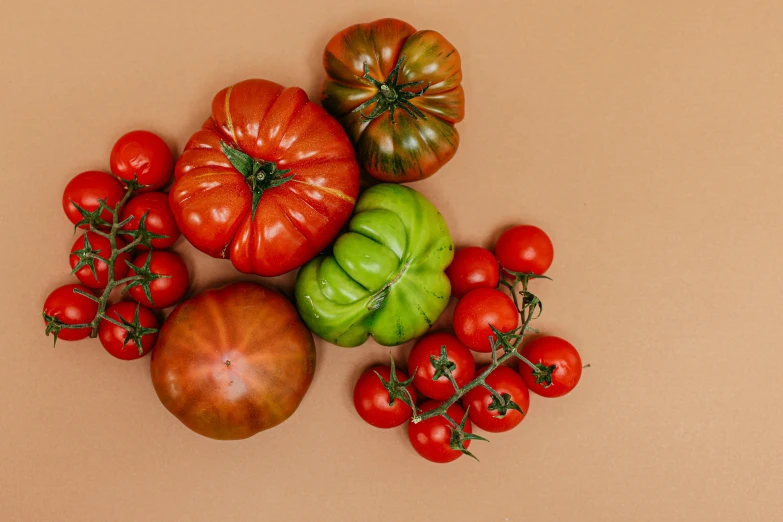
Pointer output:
x,y
385,276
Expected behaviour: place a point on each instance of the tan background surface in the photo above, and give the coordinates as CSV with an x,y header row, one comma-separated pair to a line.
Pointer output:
x,y
646,137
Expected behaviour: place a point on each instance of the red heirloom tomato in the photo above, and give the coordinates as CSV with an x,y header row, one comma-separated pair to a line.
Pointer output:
x,y
64,306
144,154
371,399
419,360
478,401
525,248
562,366
431,438
86,189
233,361
479,309
472,267
100,246
165,291
397,92
268,181
121,343
159,220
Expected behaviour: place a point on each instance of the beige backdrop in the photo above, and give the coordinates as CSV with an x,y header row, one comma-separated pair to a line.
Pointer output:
x,y
645,137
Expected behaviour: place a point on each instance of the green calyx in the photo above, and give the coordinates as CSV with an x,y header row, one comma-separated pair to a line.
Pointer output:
x,y
145,276
87,256
134,331
391,95
459,436
397,389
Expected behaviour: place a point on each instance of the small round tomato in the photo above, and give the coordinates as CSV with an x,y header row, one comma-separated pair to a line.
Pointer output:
x,y
420,362
479,309
372,399
64,306
478,401
100,246
86,190
431,438
525,248
121,342
560,366
166,290
144,154
472,267
159,219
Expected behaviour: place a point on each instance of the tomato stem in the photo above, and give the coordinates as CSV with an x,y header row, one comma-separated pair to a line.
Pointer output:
x,y
391,95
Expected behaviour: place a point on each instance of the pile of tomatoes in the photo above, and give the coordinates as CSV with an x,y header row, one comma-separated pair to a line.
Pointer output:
x,y
475,275
151,276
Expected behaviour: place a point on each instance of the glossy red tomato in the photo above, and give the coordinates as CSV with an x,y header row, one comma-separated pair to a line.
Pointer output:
x,y
472,267
478,401
86,190
525,248
116,340
431,438
144,154
64,306
479,309
561,363
419,361
159,220
100,246
268,181
165,291
371,399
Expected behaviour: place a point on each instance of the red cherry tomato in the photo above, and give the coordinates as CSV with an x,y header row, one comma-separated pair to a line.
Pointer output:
x,y
477,401
87,189
479,309
371,399
145,154
472,267
525,248
159,220
165,291
101,247
419,361
113,337
551,351
431,438
67,307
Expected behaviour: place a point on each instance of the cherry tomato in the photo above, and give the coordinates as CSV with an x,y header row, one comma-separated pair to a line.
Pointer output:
x,y
165,291
113,337
371,399
477,401
86,189
145,154
67,307
479,309
525,248
419,361
159,220
101,247
431,438
472,267
551,351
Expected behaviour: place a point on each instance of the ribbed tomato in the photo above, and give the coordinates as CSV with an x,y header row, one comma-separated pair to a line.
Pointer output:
x,y
268,181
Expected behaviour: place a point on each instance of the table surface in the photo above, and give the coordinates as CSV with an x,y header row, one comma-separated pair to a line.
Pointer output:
x,y
645,137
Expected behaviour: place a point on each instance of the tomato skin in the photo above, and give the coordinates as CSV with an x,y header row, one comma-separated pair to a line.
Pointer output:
x,y
165,291
371,399
549,351
145,154
102,246
419,361
71,308
477,310
525,248
477,401
86,189
431,438
113,337
159,220
472,267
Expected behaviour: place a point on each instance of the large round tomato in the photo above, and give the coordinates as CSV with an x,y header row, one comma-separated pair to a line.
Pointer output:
x,y
479,309
66,307
268,181
373,402
86,190
558,366
397,92
496,418
233,361
420,360
145,155
82,255
159,218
